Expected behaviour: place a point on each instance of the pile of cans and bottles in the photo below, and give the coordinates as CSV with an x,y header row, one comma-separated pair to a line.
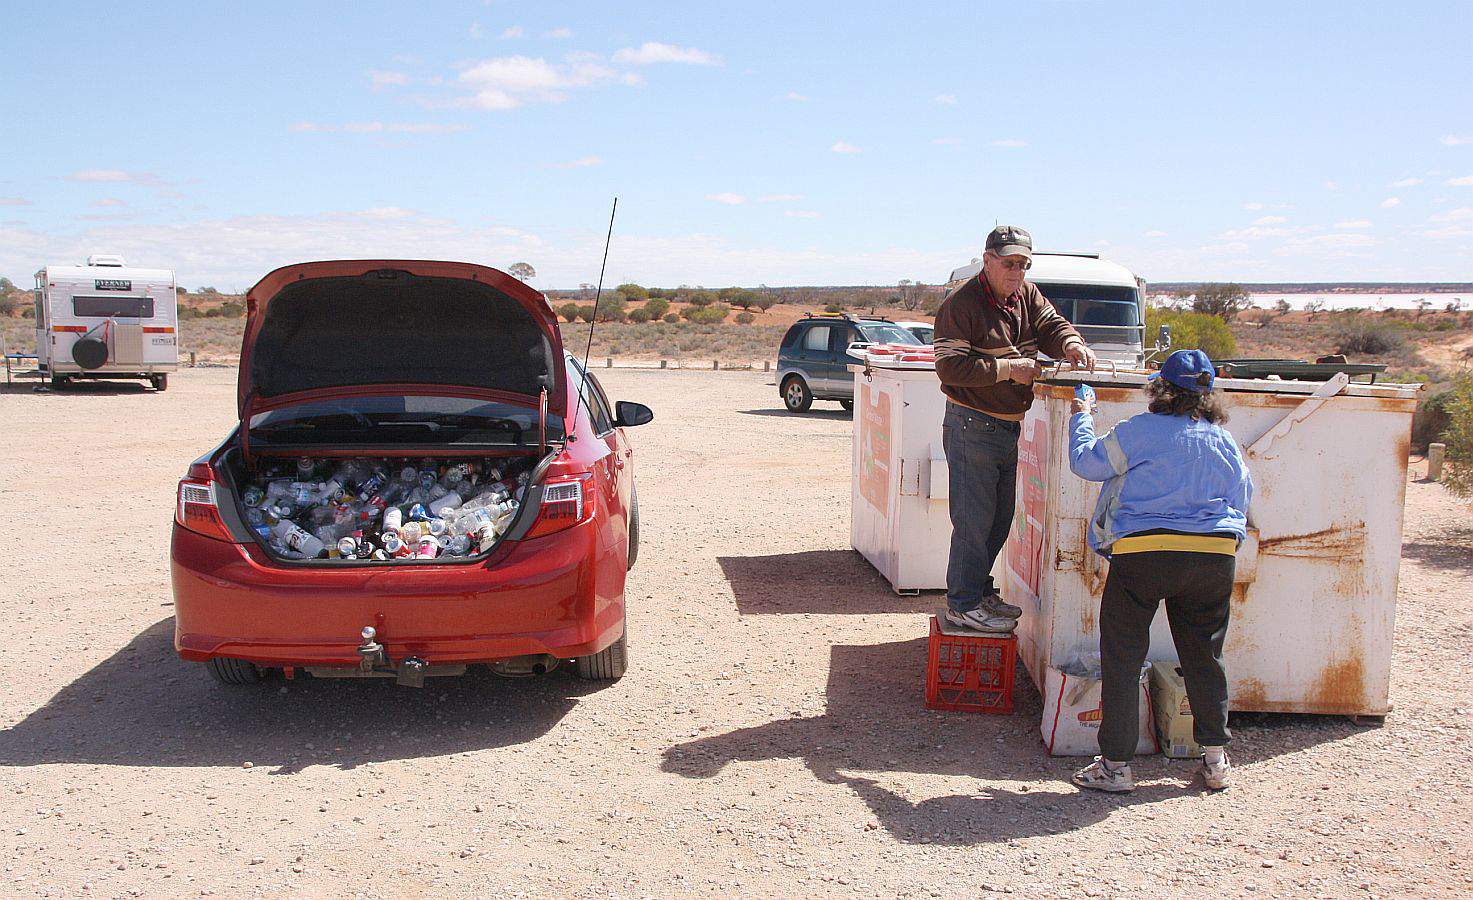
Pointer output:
x,y
379,509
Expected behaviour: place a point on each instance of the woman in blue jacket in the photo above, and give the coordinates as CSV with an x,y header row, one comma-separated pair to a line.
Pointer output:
x,y
1170,517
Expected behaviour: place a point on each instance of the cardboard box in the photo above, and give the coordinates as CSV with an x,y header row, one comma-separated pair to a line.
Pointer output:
x,y
1173,712
1071,715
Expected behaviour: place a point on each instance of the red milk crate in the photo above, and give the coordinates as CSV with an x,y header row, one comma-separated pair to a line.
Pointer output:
x,y
969,672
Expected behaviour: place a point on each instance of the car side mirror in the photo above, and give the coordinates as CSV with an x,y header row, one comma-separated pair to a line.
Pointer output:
x,y
627,412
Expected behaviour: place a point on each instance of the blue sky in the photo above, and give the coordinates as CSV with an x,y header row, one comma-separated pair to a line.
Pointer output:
x,y
751,143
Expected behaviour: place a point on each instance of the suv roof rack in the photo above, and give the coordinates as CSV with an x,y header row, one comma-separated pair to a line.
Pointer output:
x,y
848,317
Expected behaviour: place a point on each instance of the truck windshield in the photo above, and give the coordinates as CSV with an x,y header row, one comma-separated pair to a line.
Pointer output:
x,y
1093,304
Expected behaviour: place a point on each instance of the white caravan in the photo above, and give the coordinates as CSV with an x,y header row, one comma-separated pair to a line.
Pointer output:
x,y
105,320
1104,300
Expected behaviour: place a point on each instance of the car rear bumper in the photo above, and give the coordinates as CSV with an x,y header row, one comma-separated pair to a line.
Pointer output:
x,y
560,595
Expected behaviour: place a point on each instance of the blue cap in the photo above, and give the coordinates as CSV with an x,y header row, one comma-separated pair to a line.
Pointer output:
x,y
1183,369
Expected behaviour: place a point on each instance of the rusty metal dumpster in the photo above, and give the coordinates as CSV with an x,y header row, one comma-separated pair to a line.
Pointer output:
x,y
1315,598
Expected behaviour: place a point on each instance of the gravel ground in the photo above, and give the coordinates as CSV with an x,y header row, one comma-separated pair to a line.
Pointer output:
x,y
769,740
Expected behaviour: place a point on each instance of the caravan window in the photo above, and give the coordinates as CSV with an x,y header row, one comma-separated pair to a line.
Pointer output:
x,y
1093,304
121,307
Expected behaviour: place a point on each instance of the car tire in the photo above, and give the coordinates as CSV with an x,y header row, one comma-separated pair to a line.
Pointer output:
x,y
608,664
227,670
796,395
848,405
633,531
160,382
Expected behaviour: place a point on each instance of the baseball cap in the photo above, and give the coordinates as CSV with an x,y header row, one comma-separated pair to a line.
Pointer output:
x,y
1185,369
1010,240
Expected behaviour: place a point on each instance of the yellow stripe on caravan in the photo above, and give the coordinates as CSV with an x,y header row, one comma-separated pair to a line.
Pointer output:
x,y
1190,543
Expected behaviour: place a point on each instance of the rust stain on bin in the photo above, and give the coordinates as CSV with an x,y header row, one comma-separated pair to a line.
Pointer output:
x,y
1337,540
1341,687
1249,697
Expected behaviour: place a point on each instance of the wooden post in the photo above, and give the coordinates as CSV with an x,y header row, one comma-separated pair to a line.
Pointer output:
x,y
191,359
663,362
608,362
715,364
767,365
1435,454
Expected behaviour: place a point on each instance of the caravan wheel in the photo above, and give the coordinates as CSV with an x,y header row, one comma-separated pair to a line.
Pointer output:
x,y
160,382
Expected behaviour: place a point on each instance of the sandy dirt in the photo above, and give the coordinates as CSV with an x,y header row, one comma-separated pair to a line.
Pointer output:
x,y
769,740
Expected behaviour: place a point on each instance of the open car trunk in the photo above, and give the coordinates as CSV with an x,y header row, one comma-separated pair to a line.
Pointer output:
x,y
377,510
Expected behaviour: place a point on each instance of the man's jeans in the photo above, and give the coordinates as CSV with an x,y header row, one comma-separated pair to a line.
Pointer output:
x,y
982,456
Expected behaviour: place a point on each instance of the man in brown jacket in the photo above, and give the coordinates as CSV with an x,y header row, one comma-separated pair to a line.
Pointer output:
x,y
989,332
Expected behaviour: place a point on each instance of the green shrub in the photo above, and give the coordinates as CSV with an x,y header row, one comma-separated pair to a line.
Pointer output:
x,y
672,318
586,313
1366,336
1432,417
1193,331
1458,472
639,315
569,312
657,307
745,318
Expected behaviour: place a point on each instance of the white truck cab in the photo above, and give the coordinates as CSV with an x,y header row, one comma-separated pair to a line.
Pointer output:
x,y
106,320
1104,300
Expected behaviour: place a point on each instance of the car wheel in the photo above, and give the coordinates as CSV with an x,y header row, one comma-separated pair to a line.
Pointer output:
x,y
796,396
607,664
633,531
233,671
847,404
160,382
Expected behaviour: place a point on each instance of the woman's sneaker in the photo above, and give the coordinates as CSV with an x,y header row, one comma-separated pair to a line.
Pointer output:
x,y
1218,773
1101,776
980,619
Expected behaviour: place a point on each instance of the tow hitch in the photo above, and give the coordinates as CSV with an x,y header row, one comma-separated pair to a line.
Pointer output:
x,y
371,653
374,662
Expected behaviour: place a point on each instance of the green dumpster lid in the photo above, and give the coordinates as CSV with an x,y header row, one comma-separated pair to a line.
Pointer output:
x,y
1294,369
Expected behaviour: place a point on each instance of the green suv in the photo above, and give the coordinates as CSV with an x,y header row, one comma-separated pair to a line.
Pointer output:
x,y
813,360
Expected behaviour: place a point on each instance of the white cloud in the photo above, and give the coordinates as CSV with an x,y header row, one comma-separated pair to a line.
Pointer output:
x,y
583,163
1254,206
1453,140
654,52
1354,223
801,214
388,79
1405,183
944,99
108,201
1270,220
1390,202
14,201
1007,142
1464,181
1461,214
795,97
1256,232
558,34
728,198
948,142
376,128
144,178
779,198
844,147
1327,244
1332,185
514,32
476,31
1154,233
509,82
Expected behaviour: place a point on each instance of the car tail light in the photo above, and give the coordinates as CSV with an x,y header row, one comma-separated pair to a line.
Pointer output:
x,y
567,500
196,509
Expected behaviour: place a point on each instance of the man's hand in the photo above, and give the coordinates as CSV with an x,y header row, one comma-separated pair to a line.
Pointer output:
x,y
1080,355
1023,370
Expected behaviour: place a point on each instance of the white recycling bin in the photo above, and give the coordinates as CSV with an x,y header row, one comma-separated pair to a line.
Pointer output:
x,y
1315,598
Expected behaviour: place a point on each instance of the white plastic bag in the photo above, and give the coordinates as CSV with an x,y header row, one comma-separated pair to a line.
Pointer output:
x,y
1071,714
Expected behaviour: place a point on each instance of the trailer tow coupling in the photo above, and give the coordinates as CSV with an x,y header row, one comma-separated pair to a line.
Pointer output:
x,y
373,659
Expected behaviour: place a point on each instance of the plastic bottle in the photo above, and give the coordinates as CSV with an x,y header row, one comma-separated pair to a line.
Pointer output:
x,y
393,518
458,545
393,544
428,548
296,539
448,501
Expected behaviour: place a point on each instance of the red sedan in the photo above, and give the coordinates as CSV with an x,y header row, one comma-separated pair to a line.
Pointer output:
x,y
421,479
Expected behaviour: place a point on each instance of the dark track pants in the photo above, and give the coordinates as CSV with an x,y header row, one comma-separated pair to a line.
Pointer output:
x,y
1197,588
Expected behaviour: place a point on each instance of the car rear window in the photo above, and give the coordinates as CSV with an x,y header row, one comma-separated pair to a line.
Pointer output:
x,y
419,420
888,334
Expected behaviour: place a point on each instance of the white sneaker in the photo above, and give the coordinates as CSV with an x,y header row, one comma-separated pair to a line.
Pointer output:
x,y
1100,777
981,620
1217,775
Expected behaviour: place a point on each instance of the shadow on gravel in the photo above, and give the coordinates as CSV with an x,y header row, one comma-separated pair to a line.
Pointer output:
x,y
811,414
805,582
1452,551
77,389
144,706
876,722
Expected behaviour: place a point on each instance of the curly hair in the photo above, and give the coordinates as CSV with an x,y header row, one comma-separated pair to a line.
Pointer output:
x,y
1170,400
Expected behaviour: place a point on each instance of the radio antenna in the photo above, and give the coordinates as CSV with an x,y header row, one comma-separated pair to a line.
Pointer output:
x,y
597,294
